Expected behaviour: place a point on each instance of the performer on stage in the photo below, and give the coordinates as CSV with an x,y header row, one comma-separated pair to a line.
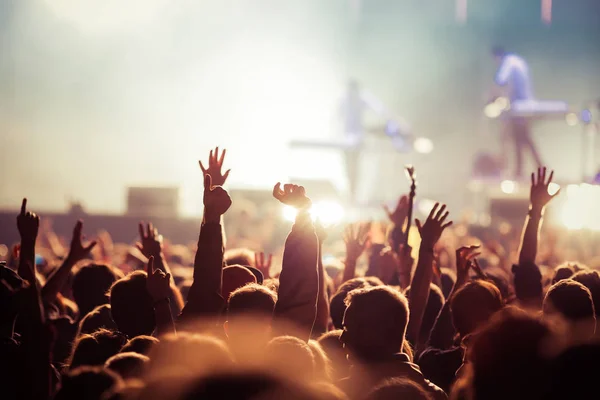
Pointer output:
x,y
513,73
353,107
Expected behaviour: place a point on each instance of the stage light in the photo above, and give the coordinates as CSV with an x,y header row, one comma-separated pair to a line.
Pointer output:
x,y
508,187
553,188
580,208
423,145
492,110
571,119
328,212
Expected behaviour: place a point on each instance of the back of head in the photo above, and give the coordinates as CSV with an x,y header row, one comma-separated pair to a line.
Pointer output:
x,y
89,383
251,299
448,279
498,51
575,372
509,358
241,256
90,285
332,346
180,354
128,365
131,305
473,304
572,302
282,350
591,280
337,304
234,277
562,272
528,282
323,366
99,318
94,349
375,322
398,388
140,344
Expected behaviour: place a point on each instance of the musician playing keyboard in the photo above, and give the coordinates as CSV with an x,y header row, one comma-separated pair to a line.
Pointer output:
x,y
513,75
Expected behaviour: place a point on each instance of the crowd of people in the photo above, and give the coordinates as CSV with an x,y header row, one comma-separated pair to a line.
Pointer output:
x,y
456,317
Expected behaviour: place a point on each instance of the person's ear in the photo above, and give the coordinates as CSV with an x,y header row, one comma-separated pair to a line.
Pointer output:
x,y
226,328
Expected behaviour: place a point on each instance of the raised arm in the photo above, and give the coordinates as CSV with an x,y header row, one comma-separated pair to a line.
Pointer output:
x,y
322,319
398,219
158,285
356,238
538,199
77,252
443,330
28,224
430,233
204,297
151,245
299,279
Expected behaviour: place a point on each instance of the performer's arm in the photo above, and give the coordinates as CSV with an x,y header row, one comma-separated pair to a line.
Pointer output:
x,y
503,73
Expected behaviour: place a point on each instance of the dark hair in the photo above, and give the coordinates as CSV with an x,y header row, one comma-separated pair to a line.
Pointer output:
x,y
473,304
241,256
140,344
131,305
571,300
128,365
234,277
99,318
252,299
94,349
90,286
591,280
528,281
282,349
562,272
88,383
337,304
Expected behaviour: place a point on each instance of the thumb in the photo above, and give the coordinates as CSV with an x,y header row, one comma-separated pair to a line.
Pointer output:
x,y
207,182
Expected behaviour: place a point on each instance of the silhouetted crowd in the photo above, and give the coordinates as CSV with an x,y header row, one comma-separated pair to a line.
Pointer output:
x,y
494,317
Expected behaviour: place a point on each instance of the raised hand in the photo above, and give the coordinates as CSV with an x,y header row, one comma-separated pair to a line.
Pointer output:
x,y
157,283
28,223
263,265
398,216
434,226
215,164
292,195
356,238
216,200
465,258
78,251
150,241
539,196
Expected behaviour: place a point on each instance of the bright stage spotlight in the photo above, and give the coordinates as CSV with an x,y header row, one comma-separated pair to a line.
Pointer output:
x,y
423,145
328,212
580,209
508,187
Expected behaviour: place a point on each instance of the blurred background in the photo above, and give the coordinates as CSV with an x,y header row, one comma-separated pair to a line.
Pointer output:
x,y
98,96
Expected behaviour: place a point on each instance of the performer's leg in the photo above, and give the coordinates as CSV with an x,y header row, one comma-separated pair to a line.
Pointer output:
x,y
352,157
517,138
532,148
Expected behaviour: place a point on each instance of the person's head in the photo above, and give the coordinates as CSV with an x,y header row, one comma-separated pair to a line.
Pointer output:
x,y
448,279
91,284
562,272
10,285
572,302
140,344
94,349
89,383
234,277
241,256
591,280
528,284
337,304
249,319
99,318
509,357
131,305
375,322
498,52
575,372
473,304
323,366
435,302
334,349
282,349
186,354
127,365
398,388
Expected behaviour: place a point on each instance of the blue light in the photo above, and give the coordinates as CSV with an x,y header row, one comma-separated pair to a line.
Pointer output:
x,y
586,116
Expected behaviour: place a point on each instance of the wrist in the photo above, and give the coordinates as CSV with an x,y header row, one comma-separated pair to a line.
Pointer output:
x,y
535,211
212,217
161,301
